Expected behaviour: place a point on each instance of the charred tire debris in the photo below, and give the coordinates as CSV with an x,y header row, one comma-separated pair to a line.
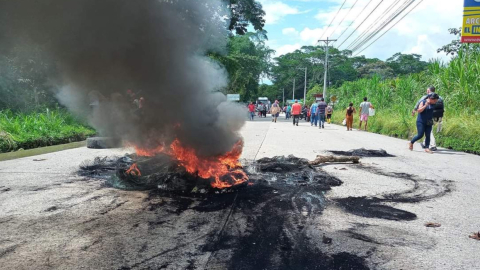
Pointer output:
x,y
268,222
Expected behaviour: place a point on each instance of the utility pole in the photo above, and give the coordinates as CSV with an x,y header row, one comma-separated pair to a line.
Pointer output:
x,y
305,87
283,96
293,89
327,41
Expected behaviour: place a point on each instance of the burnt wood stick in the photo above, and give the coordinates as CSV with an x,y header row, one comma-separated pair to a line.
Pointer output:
x,y
326,159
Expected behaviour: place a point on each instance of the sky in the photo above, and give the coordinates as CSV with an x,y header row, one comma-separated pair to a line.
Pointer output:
x,y
292,24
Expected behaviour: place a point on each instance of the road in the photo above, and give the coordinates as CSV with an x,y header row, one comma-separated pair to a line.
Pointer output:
x,y
51,218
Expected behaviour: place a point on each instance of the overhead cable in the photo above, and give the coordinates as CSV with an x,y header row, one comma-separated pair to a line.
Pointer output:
x,y
390,28
367,30
361,23
385,24
324,31
346,15
354,20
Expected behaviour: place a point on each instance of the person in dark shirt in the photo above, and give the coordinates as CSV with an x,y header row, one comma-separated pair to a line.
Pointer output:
x,y
321,109
425,121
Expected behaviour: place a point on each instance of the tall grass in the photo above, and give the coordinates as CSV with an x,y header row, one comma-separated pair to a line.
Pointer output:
x,y
42,128
458,82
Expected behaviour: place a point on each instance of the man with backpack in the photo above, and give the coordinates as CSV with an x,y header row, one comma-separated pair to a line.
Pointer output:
x,y
438,111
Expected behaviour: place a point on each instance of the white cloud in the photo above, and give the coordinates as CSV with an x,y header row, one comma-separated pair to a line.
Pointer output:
x,y
422,31
311,36
287,49
290,31
276,10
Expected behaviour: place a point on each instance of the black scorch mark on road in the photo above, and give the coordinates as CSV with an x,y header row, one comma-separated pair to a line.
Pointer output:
x,y
375,207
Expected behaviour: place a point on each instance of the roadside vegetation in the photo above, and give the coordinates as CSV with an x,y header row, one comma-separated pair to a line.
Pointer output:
x,y
39,128
457,82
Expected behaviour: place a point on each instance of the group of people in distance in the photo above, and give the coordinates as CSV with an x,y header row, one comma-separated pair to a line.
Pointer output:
x,y
430,109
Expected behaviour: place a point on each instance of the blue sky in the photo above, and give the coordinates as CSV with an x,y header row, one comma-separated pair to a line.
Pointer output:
x,y
295,23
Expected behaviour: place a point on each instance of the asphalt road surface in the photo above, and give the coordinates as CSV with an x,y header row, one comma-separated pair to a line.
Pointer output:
x,y
52,218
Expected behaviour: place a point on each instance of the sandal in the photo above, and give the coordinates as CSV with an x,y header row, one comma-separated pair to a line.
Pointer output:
x,y
428,151
410,146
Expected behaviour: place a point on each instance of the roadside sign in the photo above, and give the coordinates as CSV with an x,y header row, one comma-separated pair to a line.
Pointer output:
x,y
471,22
233,97
291,101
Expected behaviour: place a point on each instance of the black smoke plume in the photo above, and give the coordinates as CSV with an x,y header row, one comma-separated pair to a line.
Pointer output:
x,y
156,48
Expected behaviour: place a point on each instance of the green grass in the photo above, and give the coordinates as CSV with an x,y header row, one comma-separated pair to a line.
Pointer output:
x,y
41,128
457,82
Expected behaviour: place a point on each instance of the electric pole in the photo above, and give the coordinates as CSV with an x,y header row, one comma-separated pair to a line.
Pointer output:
x,y
305,87
327,41
283,96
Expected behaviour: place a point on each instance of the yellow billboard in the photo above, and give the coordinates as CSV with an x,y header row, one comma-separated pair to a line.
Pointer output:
x,y
471,22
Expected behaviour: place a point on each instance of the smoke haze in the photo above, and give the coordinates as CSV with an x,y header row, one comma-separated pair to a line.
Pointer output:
x,y
155,48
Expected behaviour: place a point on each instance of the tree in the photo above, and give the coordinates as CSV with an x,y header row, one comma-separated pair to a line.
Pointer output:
x,y
244,13
24,81
379,68
402,64
455,46
246,62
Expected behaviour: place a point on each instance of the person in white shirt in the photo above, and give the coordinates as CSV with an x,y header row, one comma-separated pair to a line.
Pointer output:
x,y
364,112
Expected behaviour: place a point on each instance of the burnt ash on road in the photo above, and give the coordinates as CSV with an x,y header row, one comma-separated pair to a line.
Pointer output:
x,y
266,224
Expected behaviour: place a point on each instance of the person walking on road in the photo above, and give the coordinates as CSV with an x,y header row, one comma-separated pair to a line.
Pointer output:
x,y
309,114
296,112
438,111
275,111
251,110
365,106
288,112
321,110
313,114
425,121
349,116
264,110
329,113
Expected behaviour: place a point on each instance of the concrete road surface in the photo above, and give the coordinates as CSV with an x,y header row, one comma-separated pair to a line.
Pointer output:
x,y
51,218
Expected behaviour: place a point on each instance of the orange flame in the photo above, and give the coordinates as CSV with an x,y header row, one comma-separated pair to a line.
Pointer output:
x,y
225,167
143,152
218,167
133,170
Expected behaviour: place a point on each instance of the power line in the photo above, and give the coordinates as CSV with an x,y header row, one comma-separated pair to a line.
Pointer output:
x,y
324,31
346,15
390,28
385,24
361,23
344,31
373,24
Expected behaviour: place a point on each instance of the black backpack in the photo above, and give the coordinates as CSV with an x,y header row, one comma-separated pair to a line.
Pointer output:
x,y
438,109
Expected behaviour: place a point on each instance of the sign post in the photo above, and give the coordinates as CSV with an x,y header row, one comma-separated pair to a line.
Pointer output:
x,y
233,97
471,22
